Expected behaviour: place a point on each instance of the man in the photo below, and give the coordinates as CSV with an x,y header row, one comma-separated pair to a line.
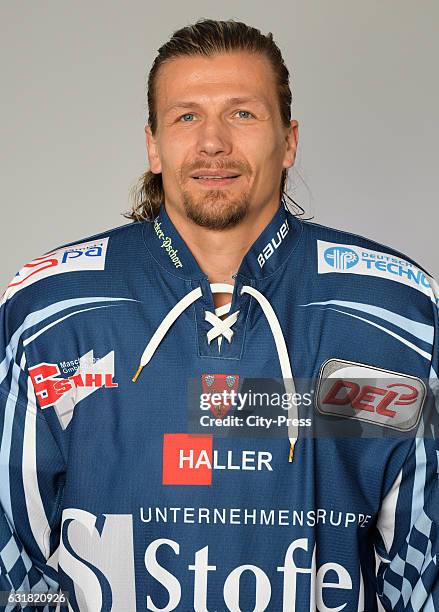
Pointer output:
x,y
109,491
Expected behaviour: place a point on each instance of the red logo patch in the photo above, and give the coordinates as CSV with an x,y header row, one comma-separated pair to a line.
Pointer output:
x,y
187,459
219,387
371,398
367,393
50,386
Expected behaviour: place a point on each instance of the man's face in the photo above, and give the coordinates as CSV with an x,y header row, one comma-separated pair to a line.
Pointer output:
x,y
220,143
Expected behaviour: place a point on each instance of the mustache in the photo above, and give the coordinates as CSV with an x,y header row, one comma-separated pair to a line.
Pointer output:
x,y
238,166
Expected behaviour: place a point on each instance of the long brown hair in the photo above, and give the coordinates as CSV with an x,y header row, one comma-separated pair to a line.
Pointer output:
x,y
206,37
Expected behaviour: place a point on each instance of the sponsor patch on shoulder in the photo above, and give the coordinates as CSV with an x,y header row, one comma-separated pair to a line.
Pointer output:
x,y
88,255
367,393
352,259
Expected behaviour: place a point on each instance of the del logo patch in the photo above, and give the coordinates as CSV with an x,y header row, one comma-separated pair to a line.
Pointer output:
x,y
366,393
78,257
351,259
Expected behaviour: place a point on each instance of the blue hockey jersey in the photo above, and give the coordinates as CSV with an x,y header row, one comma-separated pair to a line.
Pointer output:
x,y
107,494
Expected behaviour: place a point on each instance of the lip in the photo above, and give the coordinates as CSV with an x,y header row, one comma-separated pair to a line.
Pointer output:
x,y
207,172
219,182
228,177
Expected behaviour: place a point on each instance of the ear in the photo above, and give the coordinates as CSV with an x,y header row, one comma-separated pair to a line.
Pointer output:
x,y
292,139
153,151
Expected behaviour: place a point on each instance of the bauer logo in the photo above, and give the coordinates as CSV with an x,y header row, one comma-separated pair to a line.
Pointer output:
x,y
366,393
352,259
341,258
75,258
274,244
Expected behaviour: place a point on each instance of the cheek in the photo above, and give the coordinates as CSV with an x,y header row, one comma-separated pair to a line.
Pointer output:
x,y
174,153
275,154
262,146
268,158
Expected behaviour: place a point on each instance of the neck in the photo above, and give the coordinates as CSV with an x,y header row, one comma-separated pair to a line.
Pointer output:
x,y
220,253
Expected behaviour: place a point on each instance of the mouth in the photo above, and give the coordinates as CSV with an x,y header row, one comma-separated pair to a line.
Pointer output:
x,y
215,180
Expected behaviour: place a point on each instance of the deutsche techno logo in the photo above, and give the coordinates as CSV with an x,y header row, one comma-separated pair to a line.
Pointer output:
x,y
341,258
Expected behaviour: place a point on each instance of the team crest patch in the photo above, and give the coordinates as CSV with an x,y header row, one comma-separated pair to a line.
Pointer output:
x,y
366,393
219,386
78,257
352,259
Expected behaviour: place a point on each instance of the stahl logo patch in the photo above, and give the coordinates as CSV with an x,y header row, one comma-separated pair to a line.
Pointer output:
x,y
366,393
64,393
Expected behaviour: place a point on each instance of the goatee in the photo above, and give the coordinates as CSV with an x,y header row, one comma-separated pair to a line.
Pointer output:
x,y
216,210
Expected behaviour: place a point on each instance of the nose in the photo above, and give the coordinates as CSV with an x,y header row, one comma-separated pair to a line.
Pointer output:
x,y
214,138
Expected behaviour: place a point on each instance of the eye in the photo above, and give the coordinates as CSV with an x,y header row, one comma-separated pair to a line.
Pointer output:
x,y
186,118
243,114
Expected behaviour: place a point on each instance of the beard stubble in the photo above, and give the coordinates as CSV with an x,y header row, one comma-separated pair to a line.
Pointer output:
x,y
216,209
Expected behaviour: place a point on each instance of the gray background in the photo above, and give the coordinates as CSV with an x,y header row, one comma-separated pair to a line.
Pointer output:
x,y
73,107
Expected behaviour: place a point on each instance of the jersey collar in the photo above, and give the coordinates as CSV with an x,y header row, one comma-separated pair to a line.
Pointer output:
x,y
273,246
269,251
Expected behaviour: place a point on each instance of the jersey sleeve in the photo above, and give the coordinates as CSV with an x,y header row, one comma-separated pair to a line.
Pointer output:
x,y
32,471
407,542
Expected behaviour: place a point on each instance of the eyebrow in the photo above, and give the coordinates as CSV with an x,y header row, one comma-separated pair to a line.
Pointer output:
x,y
228,102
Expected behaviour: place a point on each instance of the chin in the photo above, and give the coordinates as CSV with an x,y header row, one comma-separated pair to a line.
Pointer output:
x,y
216,210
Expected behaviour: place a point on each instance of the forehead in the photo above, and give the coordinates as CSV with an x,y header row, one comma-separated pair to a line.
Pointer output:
x,y
210,79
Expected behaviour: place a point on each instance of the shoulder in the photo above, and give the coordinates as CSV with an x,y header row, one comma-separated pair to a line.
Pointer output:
x,y
344,239
374,294
73,268
351,267
117,234
346,256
